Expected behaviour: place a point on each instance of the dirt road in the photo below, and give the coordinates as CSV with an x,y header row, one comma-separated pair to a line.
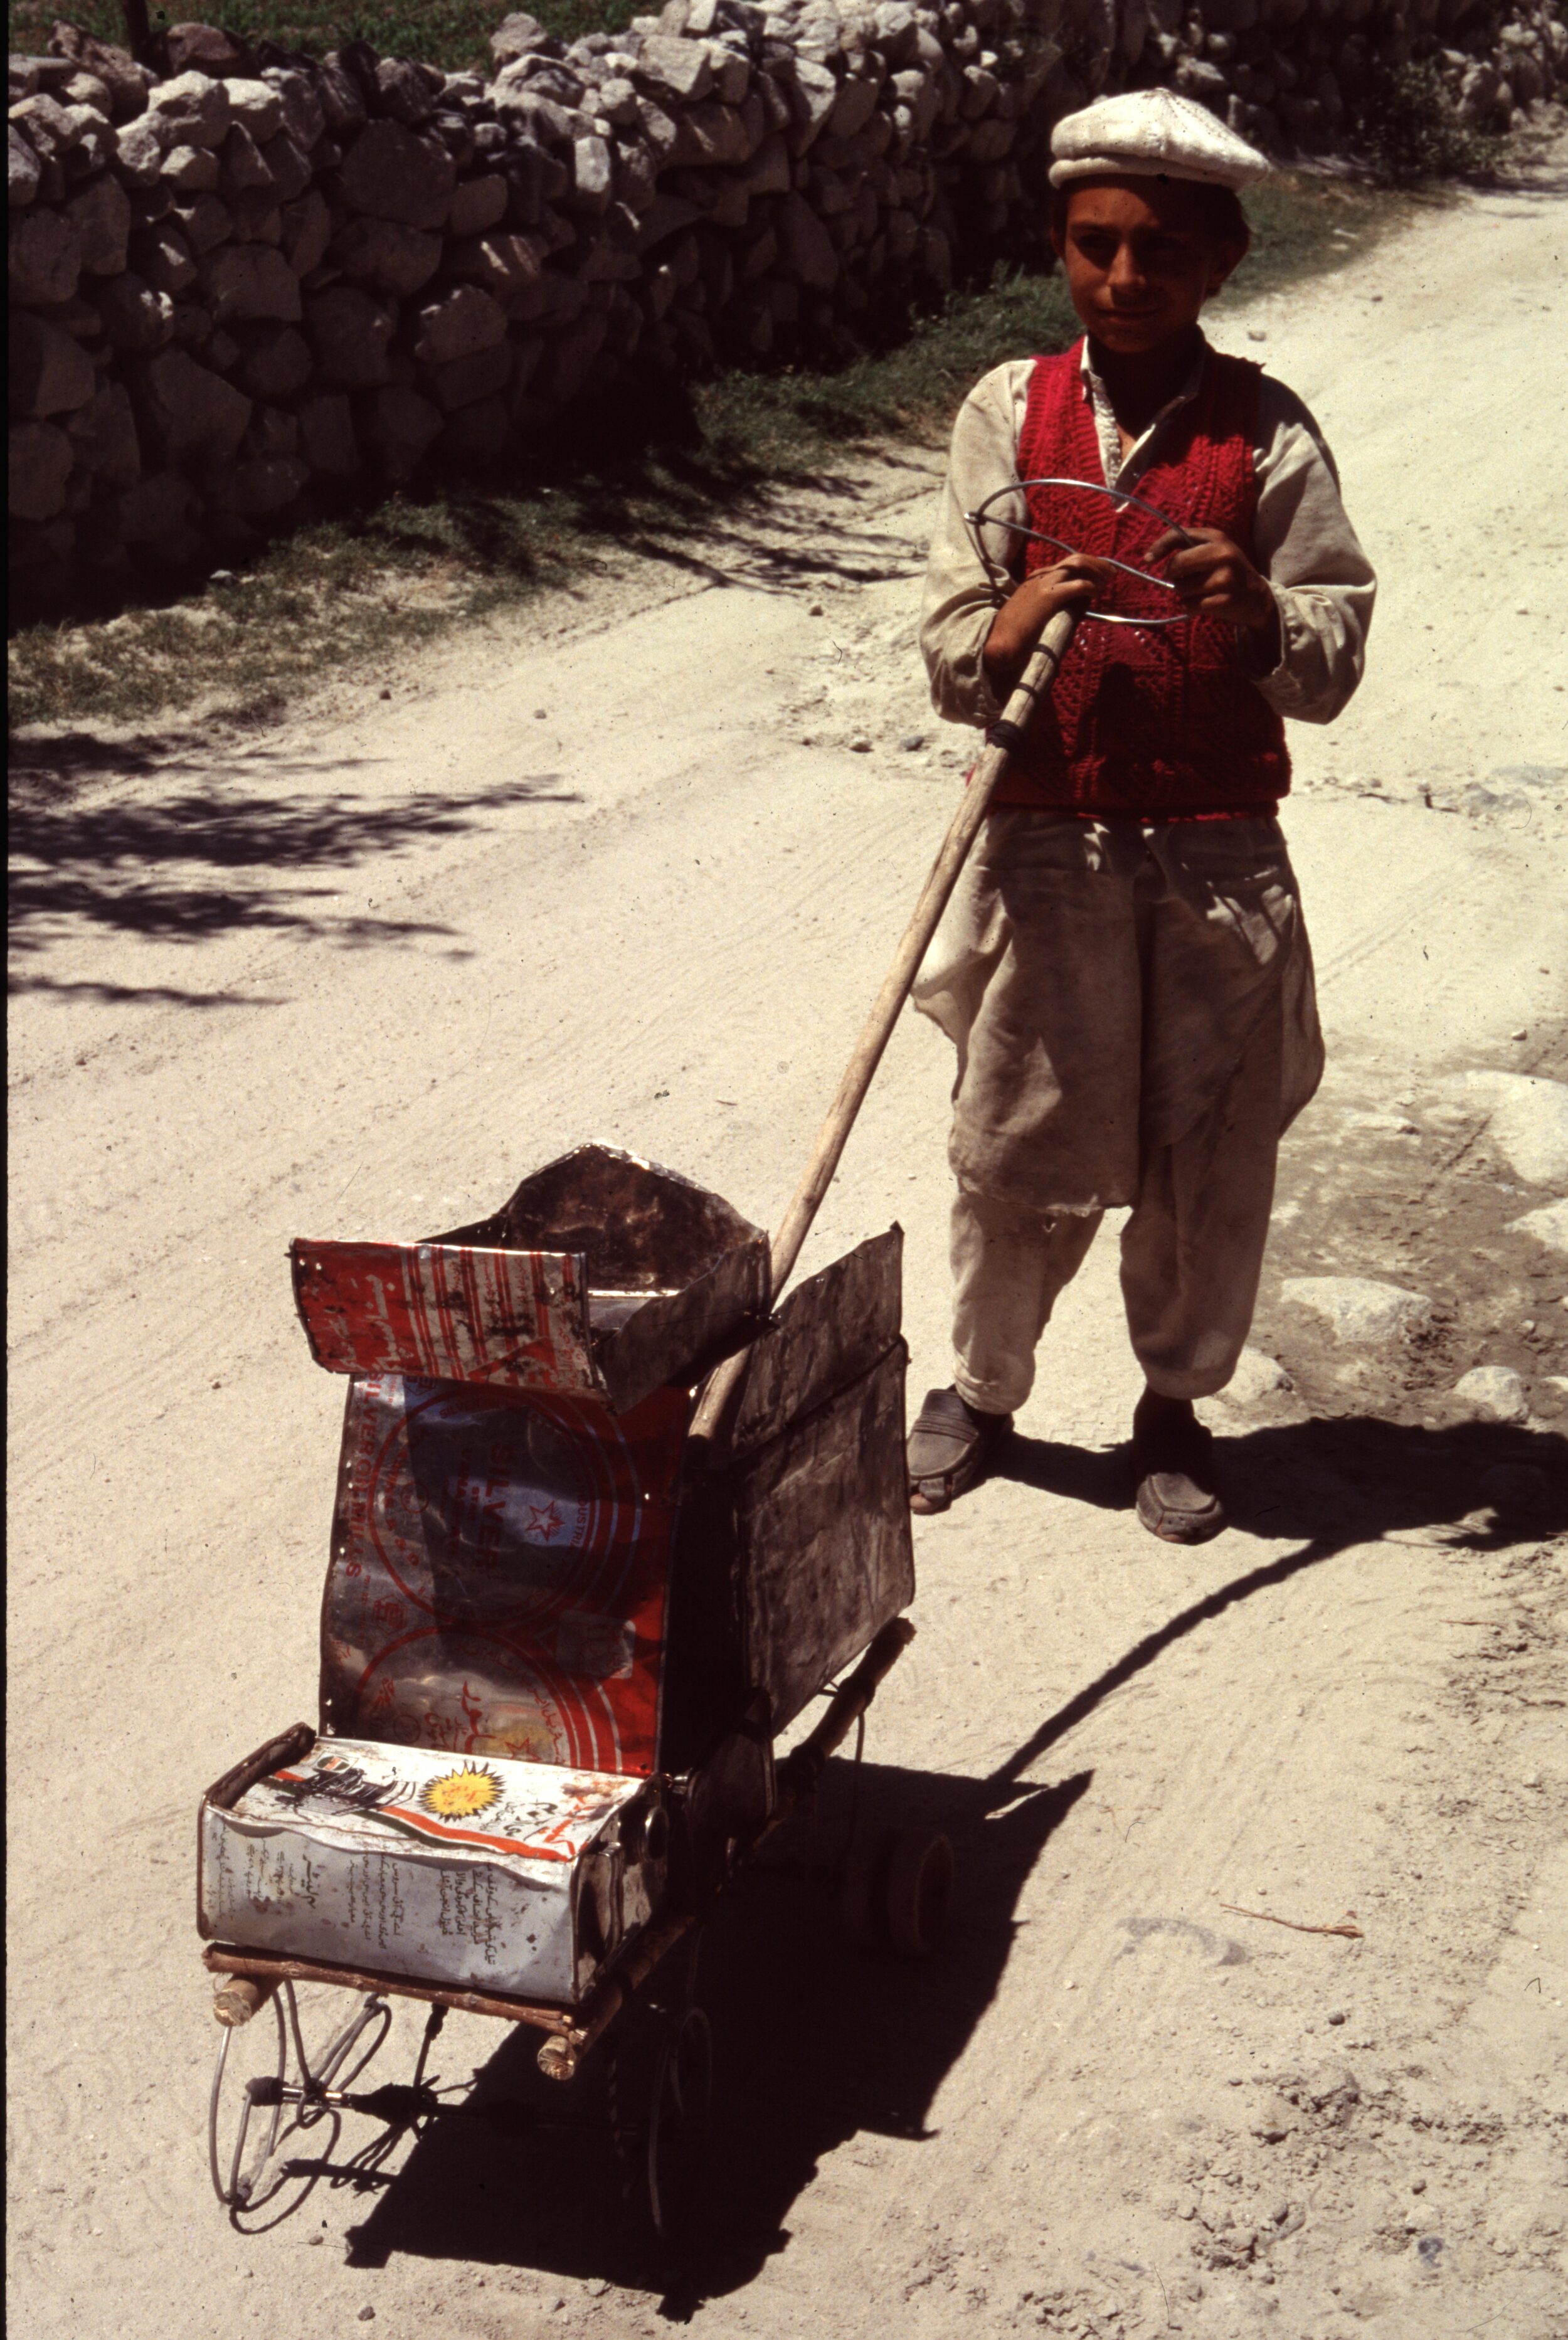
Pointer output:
x,y
631,871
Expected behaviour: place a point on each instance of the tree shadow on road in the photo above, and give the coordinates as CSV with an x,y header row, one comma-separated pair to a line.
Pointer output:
x,y
195,864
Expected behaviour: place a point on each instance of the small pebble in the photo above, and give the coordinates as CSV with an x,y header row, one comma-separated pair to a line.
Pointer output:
x,y
912,740
1337,2016
386,694
1418,2185
222,576
1519,1035
860,746
815,611
540,713
1494,1393
367,2316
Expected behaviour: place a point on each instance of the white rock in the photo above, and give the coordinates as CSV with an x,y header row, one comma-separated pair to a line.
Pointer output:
x,y
1397,1122
1256,1375
1549,1226
191,110
1528,1122
258,105
1356,1308
1494,1393
23,170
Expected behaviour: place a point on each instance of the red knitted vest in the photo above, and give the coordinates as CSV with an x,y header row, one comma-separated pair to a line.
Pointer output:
x,y
1165,723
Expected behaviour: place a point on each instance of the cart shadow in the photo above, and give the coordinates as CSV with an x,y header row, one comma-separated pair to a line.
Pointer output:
x,y
816,2042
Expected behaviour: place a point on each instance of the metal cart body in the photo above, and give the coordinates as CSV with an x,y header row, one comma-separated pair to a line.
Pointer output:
x,y
558,1637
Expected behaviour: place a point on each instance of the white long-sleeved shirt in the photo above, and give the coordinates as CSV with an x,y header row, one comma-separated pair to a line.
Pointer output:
x,y
1304,546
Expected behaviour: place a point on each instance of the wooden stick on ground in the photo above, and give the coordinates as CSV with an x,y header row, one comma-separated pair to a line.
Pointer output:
x,y
1353,1933
716,1409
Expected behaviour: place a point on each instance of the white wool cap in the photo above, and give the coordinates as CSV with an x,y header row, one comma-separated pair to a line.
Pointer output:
x,y
1152,133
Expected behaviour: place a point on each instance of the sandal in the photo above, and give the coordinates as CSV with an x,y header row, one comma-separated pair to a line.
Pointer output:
x,y
1173,1463
950,1450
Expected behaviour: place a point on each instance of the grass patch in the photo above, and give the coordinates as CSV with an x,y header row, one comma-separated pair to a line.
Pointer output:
x,y
451,33
1413,131
359,593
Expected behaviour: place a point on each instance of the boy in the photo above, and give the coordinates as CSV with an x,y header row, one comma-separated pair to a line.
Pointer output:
x,y
1123,967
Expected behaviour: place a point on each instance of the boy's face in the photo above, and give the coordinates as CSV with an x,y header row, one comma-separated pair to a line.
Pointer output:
x,y
1140,260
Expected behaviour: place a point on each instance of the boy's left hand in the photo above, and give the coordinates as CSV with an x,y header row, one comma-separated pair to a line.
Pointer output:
x,y
1215,579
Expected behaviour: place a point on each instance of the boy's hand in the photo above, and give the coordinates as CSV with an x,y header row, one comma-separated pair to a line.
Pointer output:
x,y
1024,616
1215,579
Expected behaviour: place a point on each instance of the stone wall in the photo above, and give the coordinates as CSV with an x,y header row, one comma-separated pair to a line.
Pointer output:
x,y
246,283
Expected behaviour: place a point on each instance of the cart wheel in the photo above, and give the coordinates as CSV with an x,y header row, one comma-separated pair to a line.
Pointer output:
x,y
267,2088
895,1890
920,1891
679,2114
245,2110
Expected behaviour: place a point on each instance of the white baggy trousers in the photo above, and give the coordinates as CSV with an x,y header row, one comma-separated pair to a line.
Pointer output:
x,y
1132,1005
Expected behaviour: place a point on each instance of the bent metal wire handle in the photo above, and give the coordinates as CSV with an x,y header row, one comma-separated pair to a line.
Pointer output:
x,y
716,1408
983,518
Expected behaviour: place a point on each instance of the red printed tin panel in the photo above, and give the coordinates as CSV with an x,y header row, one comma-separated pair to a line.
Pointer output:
x,y
448,1312
499,1573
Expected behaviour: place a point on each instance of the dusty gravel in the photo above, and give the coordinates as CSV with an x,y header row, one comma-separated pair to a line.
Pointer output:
x,y
630,870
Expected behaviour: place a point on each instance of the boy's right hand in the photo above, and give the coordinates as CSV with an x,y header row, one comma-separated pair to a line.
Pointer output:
x,y
1024,616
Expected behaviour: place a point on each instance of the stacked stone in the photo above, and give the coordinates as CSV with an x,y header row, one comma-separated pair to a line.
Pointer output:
x,y
1290,74
250,280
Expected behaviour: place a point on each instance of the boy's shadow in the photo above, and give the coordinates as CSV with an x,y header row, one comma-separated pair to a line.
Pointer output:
x,y
1343,1481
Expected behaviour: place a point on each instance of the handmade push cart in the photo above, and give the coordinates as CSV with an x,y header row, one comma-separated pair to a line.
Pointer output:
x,y
559,1640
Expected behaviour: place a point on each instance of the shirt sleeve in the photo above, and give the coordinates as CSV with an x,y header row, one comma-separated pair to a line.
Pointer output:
x,y
1322,580
961,599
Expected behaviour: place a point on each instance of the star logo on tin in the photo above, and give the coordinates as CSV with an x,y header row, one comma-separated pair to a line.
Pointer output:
x,y
543,1522
462,1795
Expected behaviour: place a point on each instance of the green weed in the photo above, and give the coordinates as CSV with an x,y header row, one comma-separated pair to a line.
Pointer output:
x,y
1413,133
452,33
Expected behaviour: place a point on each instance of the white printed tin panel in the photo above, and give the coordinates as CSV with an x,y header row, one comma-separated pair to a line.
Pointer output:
x,y
482,1874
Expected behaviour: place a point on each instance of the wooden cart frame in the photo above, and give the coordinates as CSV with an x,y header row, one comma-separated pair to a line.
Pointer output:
x,y
902,1903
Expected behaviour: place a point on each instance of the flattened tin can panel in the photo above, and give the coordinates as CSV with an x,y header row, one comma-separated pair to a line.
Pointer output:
x,y
499,1573
640,1227
448,1312
499,1875
674,1273
827,1557
832,1329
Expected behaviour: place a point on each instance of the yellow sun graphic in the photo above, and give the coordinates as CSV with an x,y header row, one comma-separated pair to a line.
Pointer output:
x,y
462,1795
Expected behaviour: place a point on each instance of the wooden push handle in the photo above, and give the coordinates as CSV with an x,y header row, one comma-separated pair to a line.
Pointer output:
x,y
715,1410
